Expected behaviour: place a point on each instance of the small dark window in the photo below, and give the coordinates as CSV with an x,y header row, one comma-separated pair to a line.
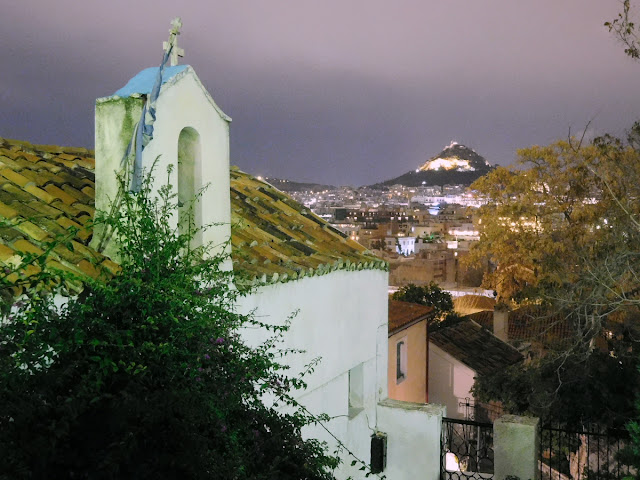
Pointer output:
x,y
401,360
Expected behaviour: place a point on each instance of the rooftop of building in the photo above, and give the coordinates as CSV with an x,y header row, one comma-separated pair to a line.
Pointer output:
x,y
530,324
475,346
47,192
143,82
404,314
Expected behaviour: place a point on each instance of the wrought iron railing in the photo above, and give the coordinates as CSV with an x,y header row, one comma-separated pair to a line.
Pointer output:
x,y
586,453
479,411
466,450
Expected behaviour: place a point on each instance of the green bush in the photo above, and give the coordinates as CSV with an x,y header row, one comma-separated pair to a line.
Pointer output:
x,y
431,296
145,375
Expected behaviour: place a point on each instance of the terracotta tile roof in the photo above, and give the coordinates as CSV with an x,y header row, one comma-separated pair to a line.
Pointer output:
x,y
530,324
403,314
475,346
273,236
46,190
483,317
41,199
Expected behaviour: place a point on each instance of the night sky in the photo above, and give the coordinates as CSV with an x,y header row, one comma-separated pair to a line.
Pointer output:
x,y
331,91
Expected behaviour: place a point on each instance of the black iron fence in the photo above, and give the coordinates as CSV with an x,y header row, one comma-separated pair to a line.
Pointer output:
x,y
480,412
466,450
586,453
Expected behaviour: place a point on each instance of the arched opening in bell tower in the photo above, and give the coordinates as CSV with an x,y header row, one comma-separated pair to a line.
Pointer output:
x,y
189,184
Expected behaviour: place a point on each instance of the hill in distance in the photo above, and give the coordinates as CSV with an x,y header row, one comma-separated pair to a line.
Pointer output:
x,y
456,164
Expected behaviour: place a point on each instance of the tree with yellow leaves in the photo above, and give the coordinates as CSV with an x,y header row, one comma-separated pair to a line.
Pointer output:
x,y
563,209
563,230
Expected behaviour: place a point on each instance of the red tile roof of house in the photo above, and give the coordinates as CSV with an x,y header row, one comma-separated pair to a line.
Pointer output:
x,y
530,324
405,314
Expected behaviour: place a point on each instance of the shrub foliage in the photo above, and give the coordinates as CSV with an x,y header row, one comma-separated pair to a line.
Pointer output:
x,y
144,375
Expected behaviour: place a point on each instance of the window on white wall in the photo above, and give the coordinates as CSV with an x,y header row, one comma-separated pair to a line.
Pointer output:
x,y
401,360
356,390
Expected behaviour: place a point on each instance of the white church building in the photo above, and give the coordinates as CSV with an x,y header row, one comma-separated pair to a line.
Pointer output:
x,y
297,261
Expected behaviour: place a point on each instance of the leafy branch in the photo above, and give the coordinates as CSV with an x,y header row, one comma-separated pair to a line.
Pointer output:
x,y
626,30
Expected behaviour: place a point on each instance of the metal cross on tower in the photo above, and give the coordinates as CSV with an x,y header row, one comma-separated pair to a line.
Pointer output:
x,y
172,44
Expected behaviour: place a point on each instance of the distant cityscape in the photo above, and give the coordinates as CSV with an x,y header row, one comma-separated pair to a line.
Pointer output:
x,y
422,232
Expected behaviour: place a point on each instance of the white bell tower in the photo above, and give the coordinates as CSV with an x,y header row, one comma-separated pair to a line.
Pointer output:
x,y
190,138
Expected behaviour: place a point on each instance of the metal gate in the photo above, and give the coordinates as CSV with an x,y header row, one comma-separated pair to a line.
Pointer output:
x,y
466,450
589,452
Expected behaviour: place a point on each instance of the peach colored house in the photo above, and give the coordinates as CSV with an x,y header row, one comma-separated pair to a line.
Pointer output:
x,y
441,366
408,351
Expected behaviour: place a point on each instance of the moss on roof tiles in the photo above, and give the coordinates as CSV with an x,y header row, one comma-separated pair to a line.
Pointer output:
x,y
22,245
72,257
24,210
69,210
50,166
47,189
31,217
9,234
45,177
6,161
16,193
32,231
6,253
40,193
14,176
34,177
89,191
262,212
7,212
64,179
77,194
61,194
48,225
44,209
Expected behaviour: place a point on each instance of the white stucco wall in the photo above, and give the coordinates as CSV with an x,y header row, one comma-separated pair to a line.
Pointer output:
x,y
516,447
450,381
407,245
338,317
413,439
342,318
